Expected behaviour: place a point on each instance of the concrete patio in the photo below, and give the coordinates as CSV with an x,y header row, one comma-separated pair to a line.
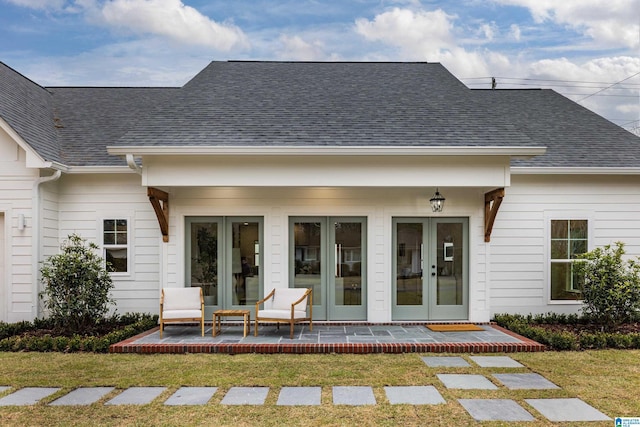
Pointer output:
x,y
327,338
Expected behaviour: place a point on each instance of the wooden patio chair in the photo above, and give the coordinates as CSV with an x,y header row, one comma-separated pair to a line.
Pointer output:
x,y
286,305
180,305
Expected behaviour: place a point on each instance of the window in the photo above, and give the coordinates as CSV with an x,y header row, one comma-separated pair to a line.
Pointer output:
x,y
115,244
569,238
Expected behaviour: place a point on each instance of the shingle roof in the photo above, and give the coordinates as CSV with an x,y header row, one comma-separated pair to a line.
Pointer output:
x,y
27,108
324,103
575,137
91,118
310,104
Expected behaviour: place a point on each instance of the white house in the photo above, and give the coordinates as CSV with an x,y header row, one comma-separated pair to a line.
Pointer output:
x,y
256,175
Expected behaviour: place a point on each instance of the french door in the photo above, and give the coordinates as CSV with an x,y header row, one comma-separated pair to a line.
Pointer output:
x,y
430,269
328,254
223,257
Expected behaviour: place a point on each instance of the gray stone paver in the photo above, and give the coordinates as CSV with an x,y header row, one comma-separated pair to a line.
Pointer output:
x,y
445,361
525,381
245,396
82,396
191,396
566,410
27,396
466,381
495,410
136,396
414,395
295,396
496,362
322,334
353,395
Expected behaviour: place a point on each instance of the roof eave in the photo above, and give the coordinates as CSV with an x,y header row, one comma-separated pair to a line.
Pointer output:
x,y
523,170
520,152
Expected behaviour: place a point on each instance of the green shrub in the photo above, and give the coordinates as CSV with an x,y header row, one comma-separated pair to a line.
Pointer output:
x,y
129,325
611,289
76,285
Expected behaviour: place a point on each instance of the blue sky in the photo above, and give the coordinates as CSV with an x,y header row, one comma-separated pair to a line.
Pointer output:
x,y
588,50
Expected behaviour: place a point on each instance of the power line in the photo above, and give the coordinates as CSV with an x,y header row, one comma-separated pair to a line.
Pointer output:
x,y
548,80
595,93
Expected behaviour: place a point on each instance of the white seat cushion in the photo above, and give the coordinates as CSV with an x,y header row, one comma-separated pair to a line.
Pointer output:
x,y
282,314
181,314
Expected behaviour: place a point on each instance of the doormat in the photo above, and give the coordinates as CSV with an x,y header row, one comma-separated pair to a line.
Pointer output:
x,y
450,327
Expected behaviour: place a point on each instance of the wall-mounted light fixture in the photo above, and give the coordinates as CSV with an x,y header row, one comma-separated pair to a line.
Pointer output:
x,y
437,202
21,222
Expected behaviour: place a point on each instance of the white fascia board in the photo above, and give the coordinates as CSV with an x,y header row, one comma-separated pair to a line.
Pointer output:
x,y
520,152
98,169
521,170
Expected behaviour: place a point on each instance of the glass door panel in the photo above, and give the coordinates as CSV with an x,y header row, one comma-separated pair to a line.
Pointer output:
x,y
308,260
409,286
244,274
449,292
203,257
347,239
409,264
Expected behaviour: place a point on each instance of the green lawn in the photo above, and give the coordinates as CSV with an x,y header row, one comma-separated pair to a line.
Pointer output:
x,y
608,380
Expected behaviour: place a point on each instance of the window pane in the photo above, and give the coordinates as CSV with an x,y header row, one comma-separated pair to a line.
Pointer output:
x,y
578,247
578,229
559,249
348,268
559,229
204,260
245,262
308,257
109,225
409,264
118,259
109,239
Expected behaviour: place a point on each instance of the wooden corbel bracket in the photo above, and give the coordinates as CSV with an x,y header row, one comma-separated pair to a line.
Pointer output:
x,y
492,201
160,202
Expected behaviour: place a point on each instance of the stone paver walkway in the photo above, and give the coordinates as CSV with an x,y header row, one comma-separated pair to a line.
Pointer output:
x,y
485,409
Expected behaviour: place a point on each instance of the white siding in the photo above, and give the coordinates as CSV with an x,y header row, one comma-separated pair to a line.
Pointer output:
x,y
519,244
16,190
85,200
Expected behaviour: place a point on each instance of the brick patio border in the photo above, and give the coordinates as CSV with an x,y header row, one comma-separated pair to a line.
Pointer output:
x,y
526,345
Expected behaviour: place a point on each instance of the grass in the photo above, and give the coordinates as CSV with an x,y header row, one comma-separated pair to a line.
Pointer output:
x,y
605,379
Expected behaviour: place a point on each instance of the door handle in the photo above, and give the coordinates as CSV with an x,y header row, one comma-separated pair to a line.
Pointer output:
x,y
433,274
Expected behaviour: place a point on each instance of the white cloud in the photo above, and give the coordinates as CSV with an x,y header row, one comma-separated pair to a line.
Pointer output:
x,y
294,48
174,20
488,31
515,32
423,34
609,23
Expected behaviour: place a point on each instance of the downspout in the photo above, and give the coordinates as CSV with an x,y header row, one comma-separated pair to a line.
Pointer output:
x,y
37,239
131,162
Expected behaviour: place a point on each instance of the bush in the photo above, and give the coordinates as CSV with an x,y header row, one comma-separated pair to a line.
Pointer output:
x,y
611,289
77,285
527,326
126,327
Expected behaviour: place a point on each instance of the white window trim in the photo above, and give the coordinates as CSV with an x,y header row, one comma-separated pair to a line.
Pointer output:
x,y
563,215
117,274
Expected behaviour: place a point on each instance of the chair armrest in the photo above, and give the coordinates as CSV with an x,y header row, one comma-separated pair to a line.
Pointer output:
x,y
264,299
306,294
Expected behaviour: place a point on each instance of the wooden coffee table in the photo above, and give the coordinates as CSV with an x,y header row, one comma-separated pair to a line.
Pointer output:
x,y
217,327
